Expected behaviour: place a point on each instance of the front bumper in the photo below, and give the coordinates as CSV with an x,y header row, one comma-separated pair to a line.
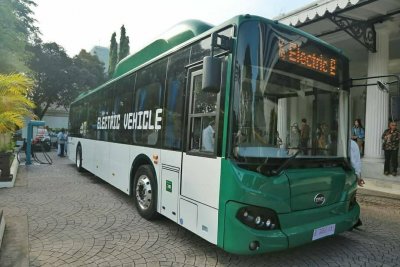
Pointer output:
x,y
297,228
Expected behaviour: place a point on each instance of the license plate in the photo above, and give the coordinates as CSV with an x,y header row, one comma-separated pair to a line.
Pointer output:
x,y
323,231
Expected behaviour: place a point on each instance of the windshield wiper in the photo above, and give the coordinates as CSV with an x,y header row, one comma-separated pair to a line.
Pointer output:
x,y
284,165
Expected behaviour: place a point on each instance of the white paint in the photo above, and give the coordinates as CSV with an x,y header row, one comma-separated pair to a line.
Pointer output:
x,y
201,179
110,161
169,198
119,163
197,211
188,215
207,224
377,113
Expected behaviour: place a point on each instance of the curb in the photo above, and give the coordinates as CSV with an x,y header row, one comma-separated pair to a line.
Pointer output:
x,y
13,172
385,186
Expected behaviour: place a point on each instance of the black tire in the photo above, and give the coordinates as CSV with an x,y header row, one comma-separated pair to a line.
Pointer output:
x,y
78,159
144,192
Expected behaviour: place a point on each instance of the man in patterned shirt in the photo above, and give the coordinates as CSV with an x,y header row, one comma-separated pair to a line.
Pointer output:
x,y
391,138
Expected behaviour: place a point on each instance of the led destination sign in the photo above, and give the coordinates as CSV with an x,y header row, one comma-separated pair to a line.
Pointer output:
x,y
294,53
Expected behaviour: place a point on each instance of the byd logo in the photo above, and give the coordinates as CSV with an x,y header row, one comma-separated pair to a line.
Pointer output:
x,y
319,199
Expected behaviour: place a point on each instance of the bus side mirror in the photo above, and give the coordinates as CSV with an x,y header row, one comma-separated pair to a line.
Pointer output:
x,y
211,74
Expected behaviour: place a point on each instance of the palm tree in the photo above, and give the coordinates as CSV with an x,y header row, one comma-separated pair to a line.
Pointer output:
x,y
14,104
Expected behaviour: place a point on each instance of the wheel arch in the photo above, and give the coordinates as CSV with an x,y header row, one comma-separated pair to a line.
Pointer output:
x,y
140,160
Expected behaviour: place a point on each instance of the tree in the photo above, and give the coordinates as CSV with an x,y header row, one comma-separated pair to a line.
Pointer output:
x,y
113,55
87,72
51,66
92,66
14,104
123,44
17,29
59,78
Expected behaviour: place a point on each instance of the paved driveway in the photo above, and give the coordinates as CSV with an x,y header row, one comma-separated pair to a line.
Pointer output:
x,y
56,216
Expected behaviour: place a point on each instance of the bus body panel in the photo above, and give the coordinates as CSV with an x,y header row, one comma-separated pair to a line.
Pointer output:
x,y
72,142
199,219
274,240
118,170
243,188
170,187
110,161
305,184
201,179
207,223
101,155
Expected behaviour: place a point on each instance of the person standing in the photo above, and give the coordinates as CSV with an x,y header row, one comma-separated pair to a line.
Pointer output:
x,y
358,135
304,136
391,138
61,138
355,161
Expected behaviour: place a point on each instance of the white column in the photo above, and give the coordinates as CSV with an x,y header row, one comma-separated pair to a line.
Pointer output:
x,y
377,111
282,120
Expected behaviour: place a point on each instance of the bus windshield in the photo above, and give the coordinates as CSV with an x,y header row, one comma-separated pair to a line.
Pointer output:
x,y
288,99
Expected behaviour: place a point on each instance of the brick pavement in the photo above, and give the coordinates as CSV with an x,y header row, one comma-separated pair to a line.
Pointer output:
x,y
75,219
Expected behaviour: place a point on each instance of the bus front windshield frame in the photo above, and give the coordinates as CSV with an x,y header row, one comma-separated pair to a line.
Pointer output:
x,y
288,98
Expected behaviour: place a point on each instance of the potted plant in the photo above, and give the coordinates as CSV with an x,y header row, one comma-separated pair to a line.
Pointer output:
x,y
14,108
5,156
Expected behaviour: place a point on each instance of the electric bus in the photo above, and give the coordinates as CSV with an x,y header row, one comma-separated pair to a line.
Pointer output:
x,y
238,133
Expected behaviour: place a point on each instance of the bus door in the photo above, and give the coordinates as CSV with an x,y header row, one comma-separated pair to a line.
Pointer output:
x,y
198,206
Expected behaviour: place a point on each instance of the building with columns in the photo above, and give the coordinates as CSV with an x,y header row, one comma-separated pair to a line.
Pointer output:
x,y
368,32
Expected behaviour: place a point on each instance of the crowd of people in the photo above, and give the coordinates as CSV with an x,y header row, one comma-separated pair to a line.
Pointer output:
x,y
300,136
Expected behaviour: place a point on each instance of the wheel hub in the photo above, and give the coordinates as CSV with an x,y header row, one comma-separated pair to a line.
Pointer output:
x,y
143,192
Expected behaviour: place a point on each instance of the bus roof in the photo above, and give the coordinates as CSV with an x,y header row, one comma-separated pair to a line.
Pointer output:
x,y
180,34
175,36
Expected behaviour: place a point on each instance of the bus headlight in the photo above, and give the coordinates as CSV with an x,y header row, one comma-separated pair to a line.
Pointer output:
x,y
258,218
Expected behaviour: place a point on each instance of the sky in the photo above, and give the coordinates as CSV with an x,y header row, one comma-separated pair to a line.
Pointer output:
x,y
82,24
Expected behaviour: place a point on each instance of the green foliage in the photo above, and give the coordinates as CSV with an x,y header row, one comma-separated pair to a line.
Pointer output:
x,y
17,29
87,72
50,65
123,44
59,78
6,147
113,55
14,104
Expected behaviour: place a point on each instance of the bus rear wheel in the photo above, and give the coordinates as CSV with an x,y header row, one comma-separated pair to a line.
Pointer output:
x,y
145,192
78,159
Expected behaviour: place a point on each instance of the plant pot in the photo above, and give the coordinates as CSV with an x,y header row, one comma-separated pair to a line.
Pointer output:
x,y
5,166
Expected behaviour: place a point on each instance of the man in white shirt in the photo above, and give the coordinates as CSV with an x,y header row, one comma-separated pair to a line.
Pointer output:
x,y
208,137
61,138
355,161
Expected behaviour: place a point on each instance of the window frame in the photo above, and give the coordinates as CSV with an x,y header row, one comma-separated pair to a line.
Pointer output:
x,y
191,73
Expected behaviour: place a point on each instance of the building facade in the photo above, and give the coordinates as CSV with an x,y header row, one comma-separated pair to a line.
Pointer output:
x,y
368,32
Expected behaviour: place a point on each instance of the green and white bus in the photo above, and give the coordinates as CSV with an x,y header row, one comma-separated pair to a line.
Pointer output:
x,y
239,133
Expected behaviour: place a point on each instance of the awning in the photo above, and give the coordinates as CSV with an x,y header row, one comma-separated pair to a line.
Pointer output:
x,y
313,10
357,18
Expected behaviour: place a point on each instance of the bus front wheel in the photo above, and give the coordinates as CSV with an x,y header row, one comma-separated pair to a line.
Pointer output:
x,y
145,192
78,159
